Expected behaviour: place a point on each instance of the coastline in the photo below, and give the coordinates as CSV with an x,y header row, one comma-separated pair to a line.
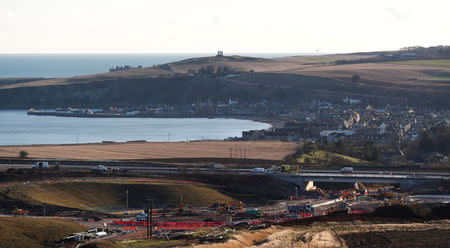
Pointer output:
x,y
272,122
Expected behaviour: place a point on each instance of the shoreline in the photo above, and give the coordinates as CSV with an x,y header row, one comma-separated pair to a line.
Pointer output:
x,y
272,122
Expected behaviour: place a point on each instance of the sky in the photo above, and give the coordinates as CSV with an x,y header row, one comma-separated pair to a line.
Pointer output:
x,y
234,26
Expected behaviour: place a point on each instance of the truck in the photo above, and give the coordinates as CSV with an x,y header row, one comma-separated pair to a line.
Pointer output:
x,y
40,165
347,170
285,168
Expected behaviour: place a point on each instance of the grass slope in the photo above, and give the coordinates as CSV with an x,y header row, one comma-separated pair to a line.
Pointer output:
x,y
108,195
319,157
34,232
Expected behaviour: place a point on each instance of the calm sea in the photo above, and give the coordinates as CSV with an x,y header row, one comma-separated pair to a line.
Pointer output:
x,y
66,65
18,128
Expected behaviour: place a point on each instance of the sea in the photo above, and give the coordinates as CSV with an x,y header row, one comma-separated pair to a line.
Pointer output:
x,y
68,65
17,128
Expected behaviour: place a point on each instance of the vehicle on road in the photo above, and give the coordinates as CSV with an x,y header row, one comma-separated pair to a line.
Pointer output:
x,y
218,166
347,170
40,165
257,171
99,168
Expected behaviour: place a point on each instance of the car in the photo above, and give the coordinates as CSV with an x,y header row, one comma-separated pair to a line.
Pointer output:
x,y
257,170
218,166
141,216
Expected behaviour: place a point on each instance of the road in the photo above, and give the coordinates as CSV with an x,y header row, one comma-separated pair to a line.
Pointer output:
x,y
162,169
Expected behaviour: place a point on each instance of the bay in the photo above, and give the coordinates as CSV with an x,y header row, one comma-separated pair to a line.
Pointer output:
x,y
18,128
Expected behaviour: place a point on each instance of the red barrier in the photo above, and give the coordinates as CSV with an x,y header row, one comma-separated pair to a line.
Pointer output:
x,y
130,228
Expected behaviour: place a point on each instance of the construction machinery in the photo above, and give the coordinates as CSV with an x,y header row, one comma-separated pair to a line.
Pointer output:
x,y
360,188
285,168
231,206
183,210
341,207
311,188
19,211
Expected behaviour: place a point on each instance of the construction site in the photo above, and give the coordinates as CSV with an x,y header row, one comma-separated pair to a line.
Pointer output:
x,y
220,208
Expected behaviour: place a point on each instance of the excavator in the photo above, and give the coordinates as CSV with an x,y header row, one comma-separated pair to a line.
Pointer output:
x,y
230,207
360,189
311,188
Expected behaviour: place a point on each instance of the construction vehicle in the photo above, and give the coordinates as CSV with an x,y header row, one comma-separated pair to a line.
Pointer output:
x,y
183,210
285,168
19,211
361,188
311,188
230,207
341,207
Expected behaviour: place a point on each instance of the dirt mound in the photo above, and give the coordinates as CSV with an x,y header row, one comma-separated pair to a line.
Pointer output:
x,y
281,237
403,211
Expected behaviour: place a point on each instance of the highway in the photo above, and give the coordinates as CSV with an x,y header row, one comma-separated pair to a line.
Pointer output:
x,y
308,173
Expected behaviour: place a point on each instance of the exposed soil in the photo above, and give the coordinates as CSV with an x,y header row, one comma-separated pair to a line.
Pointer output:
x,y
399,239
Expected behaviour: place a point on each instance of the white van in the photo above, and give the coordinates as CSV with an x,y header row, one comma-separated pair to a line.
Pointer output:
x,y
347,170
40,165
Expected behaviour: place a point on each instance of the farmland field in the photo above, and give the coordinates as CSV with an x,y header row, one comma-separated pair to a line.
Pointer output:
x,y
275,150
427,62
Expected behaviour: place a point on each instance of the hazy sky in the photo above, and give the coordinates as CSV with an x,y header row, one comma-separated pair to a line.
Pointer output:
x,y
205,26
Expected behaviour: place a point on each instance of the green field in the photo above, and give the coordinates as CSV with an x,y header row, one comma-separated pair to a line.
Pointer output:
x,y
428,62
443,79
320,156
34,232
108,195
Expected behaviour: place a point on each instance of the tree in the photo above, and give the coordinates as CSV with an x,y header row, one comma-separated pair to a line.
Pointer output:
x,y
371,152
356,78
23,154
340,147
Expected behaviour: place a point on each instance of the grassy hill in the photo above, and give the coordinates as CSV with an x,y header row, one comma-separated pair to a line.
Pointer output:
x,y
106,195
320,156
286,79
19,232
